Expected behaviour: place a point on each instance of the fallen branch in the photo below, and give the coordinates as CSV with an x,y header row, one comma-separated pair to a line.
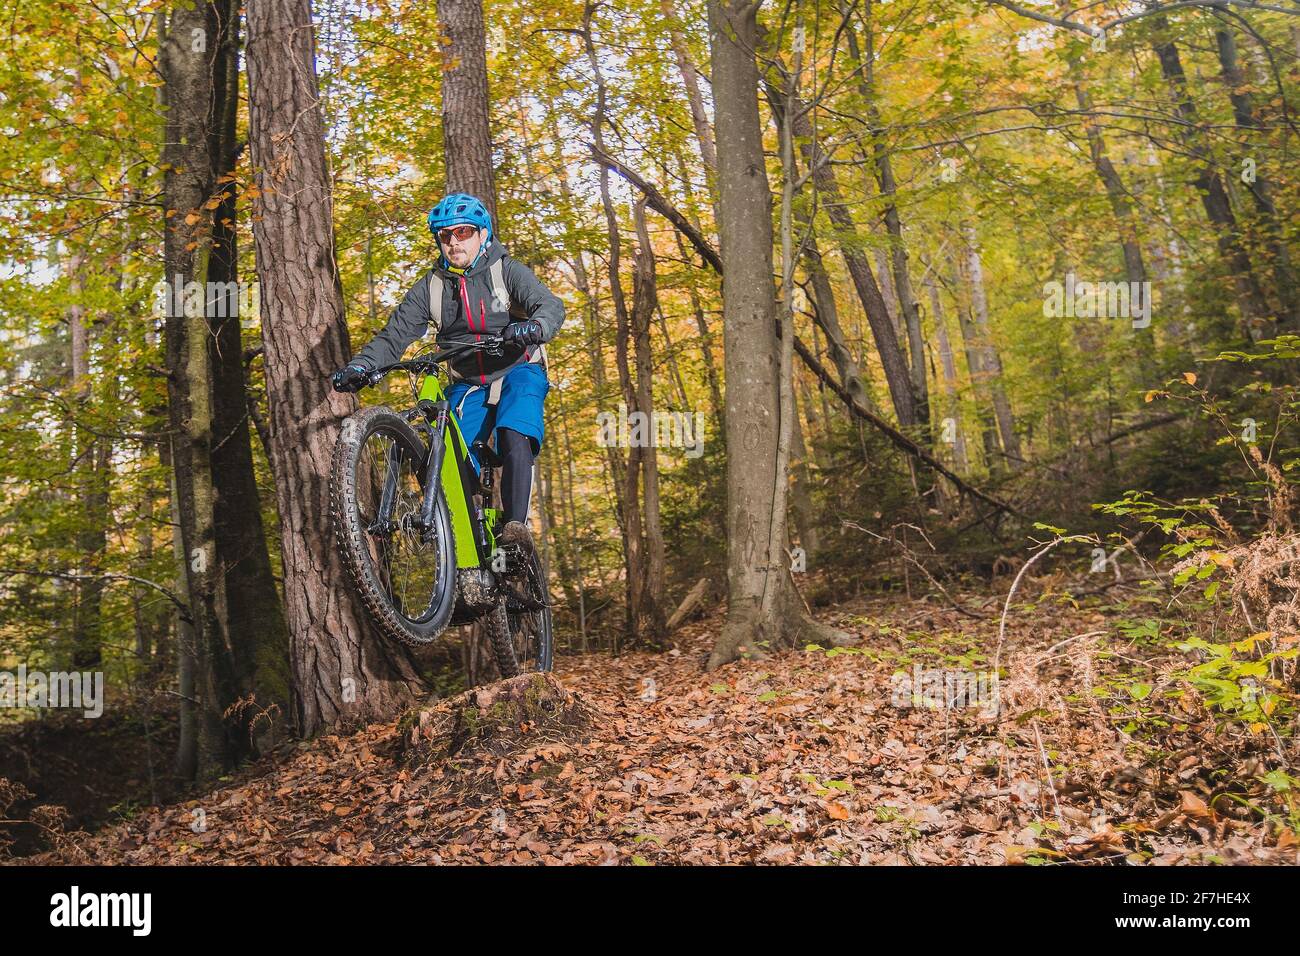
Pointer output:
x,y
894,435
972,798
688,605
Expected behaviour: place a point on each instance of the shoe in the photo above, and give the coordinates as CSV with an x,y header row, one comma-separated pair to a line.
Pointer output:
x,y
517,533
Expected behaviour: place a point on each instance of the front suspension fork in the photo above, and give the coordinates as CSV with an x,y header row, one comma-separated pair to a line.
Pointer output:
x,y
436,413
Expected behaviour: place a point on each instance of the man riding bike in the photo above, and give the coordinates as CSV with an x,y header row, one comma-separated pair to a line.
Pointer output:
x,y
477,289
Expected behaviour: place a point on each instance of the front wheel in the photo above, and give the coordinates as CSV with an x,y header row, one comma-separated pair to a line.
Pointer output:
x,y
405,574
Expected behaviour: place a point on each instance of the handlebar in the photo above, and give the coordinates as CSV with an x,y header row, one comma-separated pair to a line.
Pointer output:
x,y
428,365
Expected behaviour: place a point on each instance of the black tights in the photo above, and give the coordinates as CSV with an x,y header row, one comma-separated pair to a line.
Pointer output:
x,y
516,451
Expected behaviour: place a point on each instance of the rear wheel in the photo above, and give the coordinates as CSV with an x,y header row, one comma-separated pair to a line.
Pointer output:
x,y
521,627
405,574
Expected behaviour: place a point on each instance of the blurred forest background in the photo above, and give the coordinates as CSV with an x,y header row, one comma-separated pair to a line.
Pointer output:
x,y
1034,271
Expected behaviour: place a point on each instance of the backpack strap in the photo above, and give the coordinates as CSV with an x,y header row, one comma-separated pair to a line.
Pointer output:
x,y
500,294
436,286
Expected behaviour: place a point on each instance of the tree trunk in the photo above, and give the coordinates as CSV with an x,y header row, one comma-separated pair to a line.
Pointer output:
x,y
259,640
758,575
467,138
805,516
90,459
645,302
187,741
686,67
1243,111
188,69
629,477
972,345
892,360
572,527
1214,197
342,671
953,409
594,335
990,361
907,306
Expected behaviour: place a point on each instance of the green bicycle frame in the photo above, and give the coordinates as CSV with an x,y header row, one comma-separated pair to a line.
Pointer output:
x,y
459,501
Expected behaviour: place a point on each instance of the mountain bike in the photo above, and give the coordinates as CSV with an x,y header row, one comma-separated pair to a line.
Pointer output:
x,y
419,539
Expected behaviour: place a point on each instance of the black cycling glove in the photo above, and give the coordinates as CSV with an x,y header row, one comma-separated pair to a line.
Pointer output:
x,y
526,333
351,378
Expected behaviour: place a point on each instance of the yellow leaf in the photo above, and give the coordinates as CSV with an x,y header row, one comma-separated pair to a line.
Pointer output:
x,y
191,219
1015,855
1150,395
1189,378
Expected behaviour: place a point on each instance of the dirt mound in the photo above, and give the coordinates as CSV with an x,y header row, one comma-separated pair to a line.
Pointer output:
x,y
499,719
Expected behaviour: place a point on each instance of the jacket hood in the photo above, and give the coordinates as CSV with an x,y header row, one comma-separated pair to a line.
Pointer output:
x,y
493,253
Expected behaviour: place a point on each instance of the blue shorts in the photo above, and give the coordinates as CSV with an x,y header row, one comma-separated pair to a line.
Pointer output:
x,y
523,390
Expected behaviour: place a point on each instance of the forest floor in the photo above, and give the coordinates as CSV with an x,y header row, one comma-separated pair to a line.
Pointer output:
x,y
806,756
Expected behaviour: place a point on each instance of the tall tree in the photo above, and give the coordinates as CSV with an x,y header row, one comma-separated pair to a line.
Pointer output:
x,y
1255,312
949,433
626,476
466,135
1260,185
187,67
990,361
645,302
908,307
892,359
259,639
686,69
342,672
91,457
763,612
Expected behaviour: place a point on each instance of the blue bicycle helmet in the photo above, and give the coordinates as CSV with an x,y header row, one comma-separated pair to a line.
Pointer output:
x,y
459,208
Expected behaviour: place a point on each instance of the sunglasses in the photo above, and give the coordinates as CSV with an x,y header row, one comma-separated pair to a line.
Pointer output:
x,y
459,232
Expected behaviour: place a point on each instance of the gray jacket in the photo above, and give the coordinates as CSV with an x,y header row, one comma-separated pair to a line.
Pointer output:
x,y
472,304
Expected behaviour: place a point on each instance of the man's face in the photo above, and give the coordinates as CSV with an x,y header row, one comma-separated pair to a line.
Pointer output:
x,y
461,252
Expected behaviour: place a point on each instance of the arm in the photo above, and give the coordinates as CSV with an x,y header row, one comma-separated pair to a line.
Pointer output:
x,y
407,323
538,302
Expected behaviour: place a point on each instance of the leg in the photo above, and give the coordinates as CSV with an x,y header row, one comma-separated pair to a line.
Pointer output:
x,y
516,451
